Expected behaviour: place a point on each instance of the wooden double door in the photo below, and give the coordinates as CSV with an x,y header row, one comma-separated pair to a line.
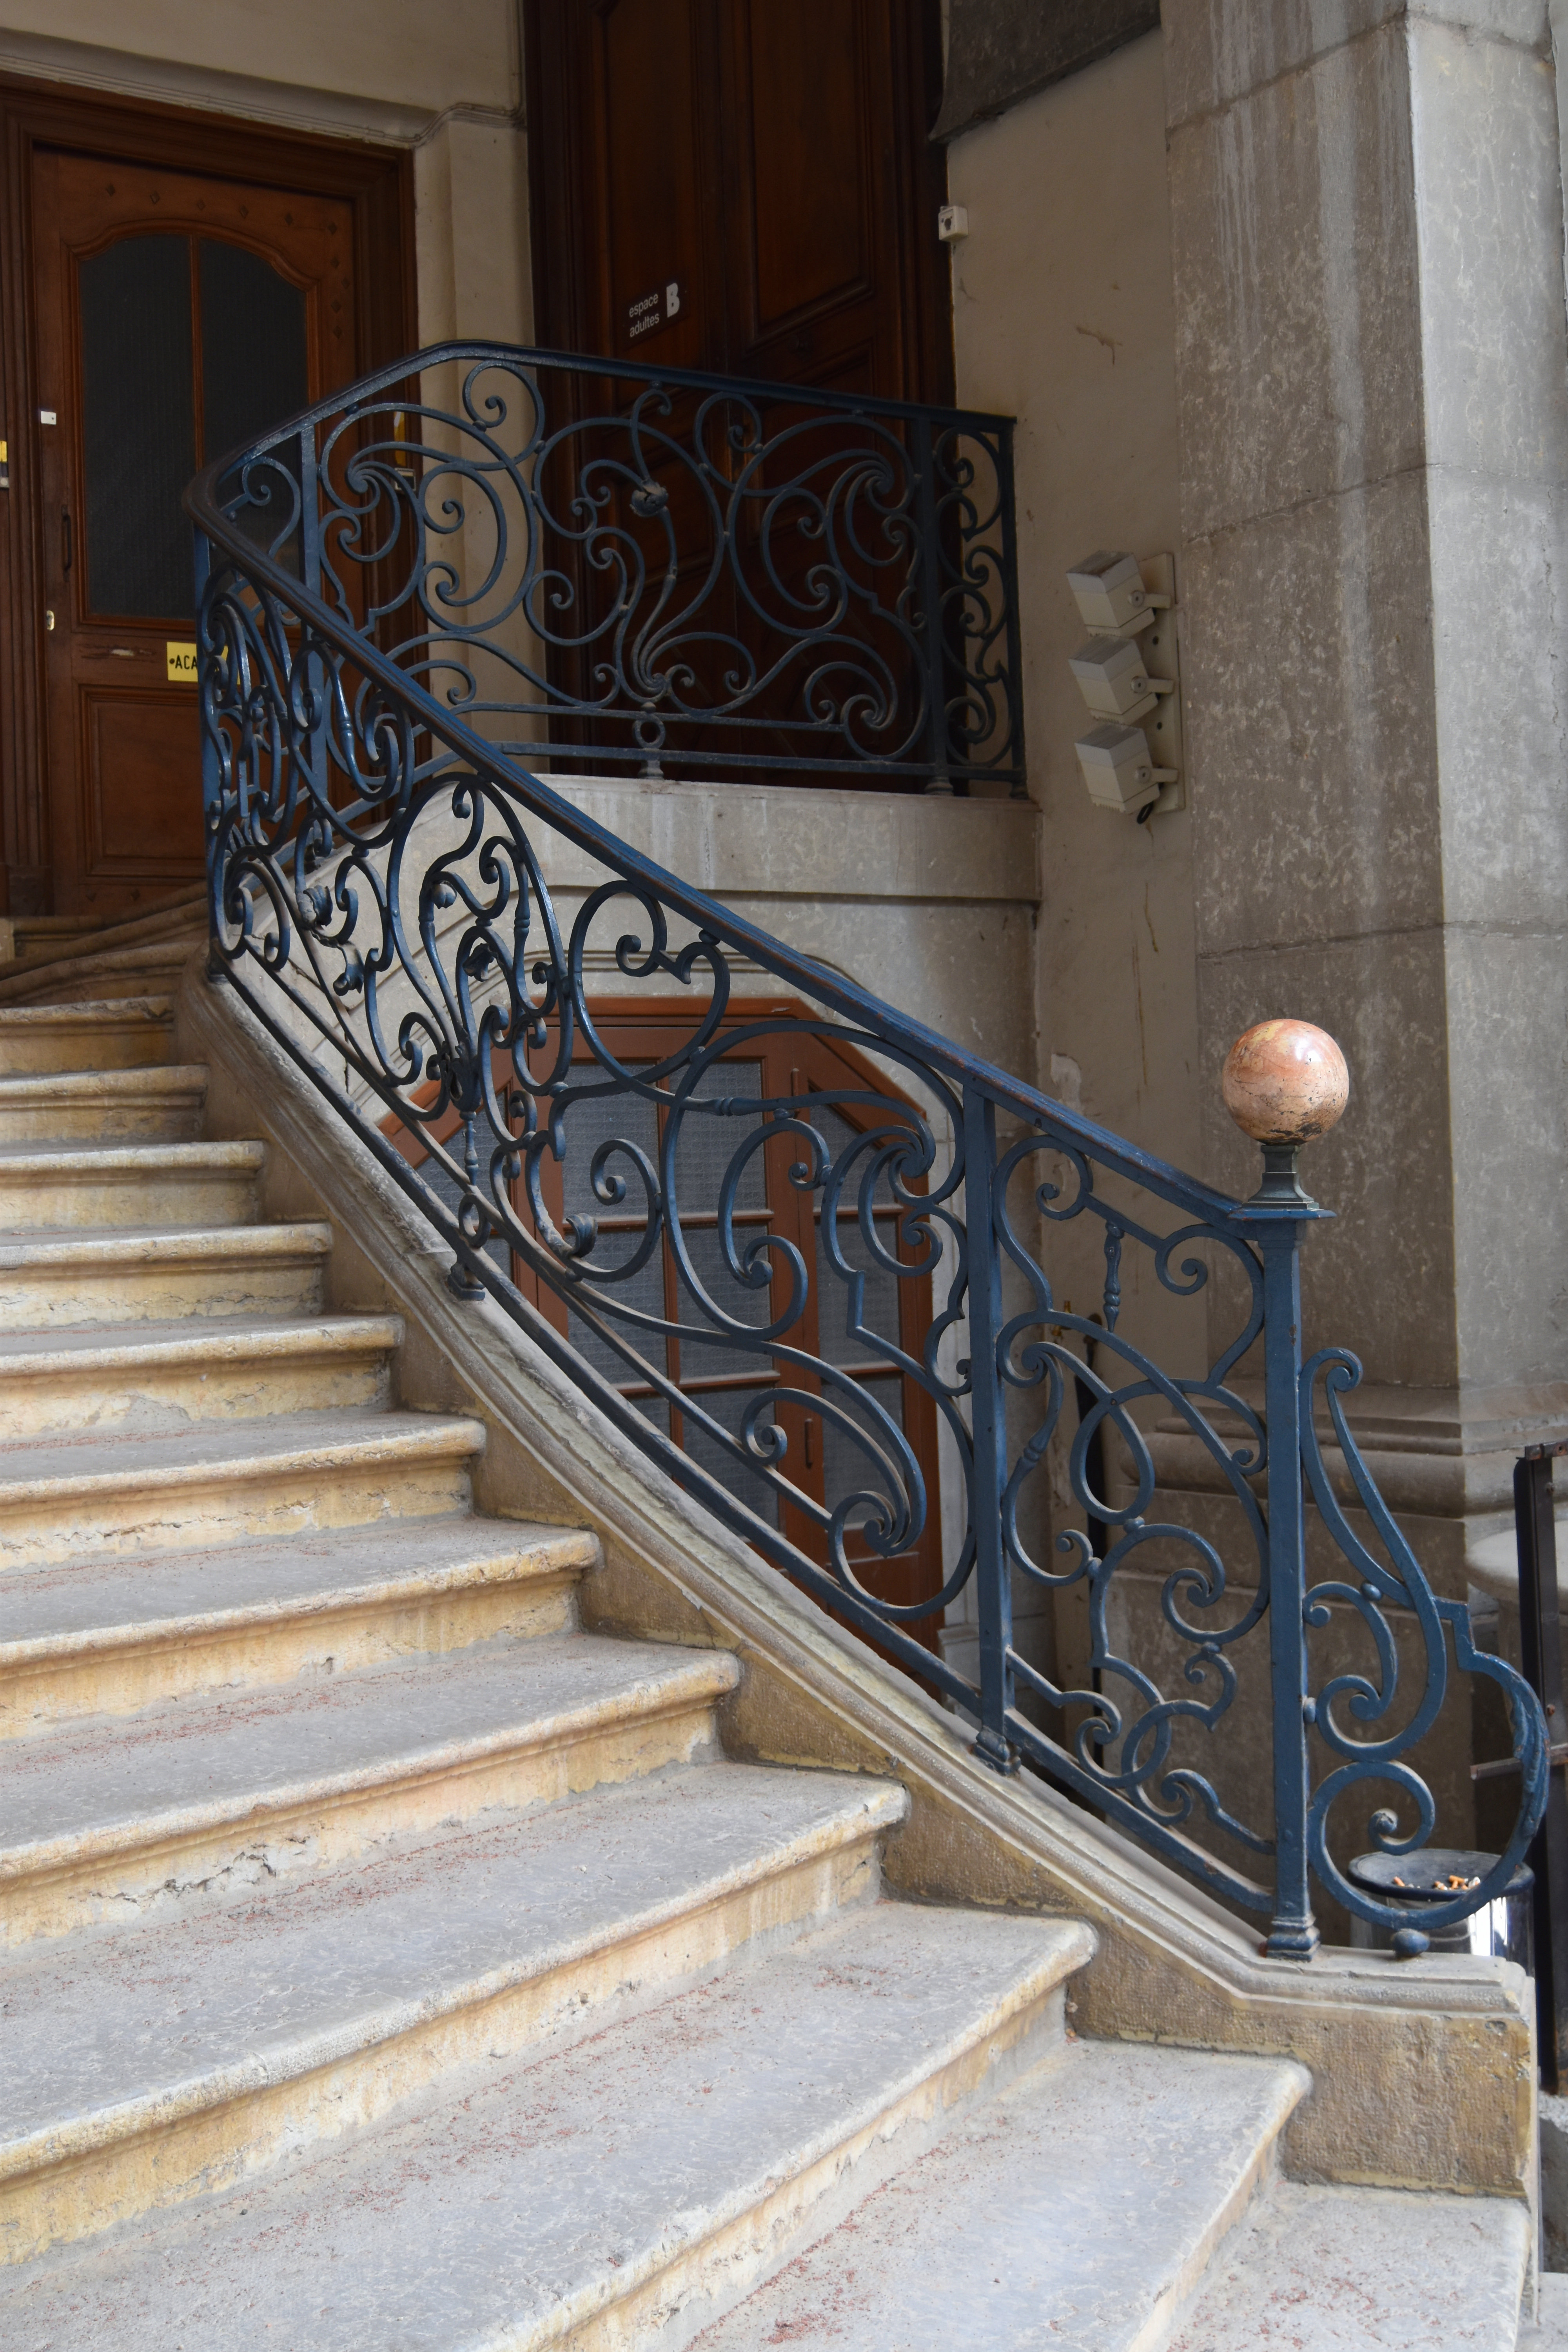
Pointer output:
x,y
179,305
744,186
747,189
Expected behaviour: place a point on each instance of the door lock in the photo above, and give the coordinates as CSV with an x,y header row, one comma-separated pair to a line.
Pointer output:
x,y
48,618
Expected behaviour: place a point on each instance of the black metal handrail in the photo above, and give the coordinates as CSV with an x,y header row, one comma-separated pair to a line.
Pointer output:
x,y
621,565
417,918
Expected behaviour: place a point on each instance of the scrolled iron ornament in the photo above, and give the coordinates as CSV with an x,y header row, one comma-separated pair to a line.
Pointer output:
x,y
455,955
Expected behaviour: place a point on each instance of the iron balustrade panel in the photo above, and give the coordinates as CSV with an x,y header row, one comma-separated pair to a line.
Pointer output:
x,y
610,565
432,933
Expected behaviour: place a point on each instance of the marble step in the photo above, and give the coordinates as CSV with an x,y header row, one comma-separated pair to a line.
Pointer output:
x,y
1548,2330
104,1106
147,2065
91,974
1077,2211
133,1274
591,2194
90,1494
80,1639
133,1034
1324,2269
115,1817
147,1185
164,1376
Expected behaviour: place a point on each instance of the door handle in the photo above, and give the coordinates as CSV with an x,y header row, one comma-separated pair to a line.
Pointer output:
x,y
65,547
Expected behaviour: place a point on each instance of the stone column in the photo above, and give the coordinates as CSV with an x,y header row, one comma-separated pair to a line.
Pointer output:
x,y
1373,372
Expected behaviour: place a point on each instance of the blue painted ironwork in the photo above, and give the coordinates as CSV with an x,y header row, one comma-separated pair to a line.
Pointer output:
x,y
418,921
677,572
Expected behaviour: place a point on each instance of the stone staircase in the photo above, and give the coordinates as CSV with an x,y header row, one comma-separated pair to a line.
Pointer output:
x,y
391,1964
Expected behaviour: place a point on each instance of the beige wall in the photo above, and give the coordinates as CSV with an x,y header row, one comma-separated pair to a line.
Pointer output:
x,y
1062,317
446,83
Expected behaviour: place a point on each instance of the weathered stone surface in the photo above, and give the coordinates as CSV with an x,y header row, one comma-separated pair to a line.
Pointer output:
x,y
1295,253
673,2157
1327,2270
1217,52
1041,2247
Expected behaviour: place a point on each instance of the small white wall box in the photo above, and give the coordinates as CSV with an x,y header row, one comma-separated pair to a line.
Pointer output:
x,y
1111,676
951,222
1118,768
1108,590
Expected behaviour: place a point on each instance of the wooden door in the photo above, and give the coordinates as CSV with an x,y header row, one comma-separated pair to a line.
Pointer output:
x,y
178,316
745,188
767,162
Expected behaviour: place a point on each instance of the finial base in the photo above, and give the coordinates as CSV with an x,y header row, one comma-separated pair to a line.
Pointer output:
x,y
1281,1187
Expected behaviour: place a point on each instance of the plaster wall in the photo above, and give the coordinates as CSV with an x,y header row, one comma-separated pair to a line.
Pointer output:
x,y
1062,317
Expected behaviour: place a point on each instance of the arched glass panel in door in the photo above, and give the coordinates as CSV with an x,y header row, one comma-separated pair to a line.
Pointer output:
x,y
189,347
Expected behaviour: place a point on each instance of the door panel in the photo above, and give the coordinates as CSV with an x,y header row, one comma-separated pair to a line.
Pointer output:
x,y
809,138
647,104
177,317
777,153
773,160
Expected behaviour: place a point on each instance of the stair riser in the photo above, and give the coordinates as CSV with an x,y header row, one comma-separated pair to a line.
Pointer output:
x,y
32,1297
173,1117
723,2263
339,1826
34,1049
173,2158
118,1681
168,1397
80,1198
35,1530
153,970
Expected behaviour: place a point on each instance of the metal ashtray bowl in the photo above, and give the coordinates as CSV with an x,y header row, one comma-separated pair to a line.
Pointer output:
x,y
1501,1929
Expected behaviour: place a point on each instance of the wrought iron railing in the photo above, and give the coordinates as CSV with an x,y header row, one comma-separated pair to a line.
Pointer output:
x,y
761,1224
617,565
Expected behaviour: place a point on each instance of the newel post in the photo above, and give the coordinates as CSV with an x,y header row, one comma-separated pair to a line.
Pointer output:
x,y
1285,1082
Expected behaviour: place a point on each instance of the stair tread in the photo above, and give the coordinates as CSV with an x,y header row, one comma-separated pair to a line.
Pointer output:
x,y
95,1460
539,2190
1073,2210
147,1596
151,1010
151,1078
72,1153
31,1350
1334,2270
148,1245
121,2028
106,1782
154,1010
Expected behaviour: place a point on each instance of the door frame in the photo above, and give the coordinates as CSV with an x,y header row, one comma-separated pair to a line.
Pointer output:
x,y
376,184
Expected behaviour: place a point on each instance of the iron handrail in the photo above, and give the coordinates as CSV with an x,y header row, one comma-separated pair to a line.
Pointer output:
x,y
397,895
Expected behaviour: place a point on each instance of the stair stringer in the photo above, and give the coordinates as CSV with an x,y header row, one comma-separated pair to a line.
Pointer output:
x,y
1423,2071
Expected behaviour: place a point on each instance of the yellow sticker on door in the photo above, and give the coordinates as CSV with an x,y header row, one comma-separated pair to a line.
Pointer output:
x,y
181,661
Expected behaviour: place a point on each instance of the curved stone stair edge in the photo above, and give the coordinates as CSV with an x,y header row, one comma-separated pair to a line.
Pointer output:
x,y
118,952
1417,2066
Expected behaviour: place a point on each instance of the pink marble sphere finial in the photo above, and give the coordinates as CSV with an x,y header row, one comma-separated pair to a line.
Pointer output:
x,y
1285,1082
